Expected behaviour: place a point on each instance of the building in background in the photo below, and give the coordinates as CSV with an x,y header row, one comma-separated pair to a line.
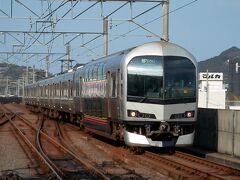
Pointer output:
x,y
233,93
234,79
211,93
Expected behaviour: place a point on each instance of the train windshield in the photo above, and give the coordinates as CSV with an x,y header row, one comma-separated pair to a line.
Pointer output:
x,y
161,80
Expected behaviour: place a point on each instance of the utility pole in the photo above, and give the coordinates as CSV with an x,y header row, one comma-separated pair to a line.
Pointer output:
x,y
6,90
165,17
18,87
47,66
33,73
105,36
68,55
207,92
23,89
27,75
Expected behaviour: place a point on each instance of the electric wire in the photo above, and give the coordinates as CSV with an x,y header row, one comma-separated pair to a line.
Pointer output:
x,y
51,12
134,29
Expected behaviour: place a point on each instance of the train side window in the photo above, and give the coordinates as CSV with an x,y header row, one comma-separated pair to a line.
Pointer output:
x,y
90,73
56,86
77,86
86,74
55,90
58,89
95,72
65,89
45,91
70,89
52,90
100,71
48,90
103,69
113,85
61,89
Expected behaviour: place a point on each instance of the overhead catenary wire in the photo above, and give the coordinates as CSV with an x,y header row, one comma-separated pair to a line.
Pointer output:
x,y
142,13
35,39
134,29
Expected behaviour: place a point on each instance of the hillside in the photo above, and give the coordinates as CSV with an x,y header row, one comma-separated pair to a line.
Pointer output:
x,y
15,72
219,63
14,75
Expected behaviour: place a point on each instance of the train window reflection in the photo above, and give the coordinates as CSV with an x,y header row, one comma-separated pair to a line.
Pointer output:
x,y
145,77
164,80
180,79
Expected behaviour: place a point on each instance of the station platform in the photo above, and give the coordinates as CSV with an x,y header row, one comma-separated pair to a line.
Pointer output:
x,y
224,159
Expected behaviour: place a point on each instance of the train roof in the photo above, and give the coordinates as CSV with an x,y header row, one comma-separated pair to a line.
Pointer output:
x,y
161,48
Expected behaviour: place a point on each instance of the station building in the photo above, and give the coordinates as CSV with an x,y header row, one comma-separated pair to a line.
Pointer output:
x,y
211,92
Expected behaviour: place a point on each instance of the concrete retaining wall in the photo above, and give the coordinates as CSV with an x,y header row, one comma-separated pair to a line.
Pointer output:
x,y
206,129
218,130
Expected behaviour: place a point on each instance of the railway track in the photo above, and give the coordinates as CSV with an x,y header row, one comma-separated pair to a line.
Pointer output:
x,y
116,169
4,119
177,166
188,166
62,164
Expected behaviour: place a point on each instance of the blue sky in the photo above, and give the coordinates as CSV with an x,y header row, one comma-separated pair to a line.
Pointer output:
x,y
207,27
204,27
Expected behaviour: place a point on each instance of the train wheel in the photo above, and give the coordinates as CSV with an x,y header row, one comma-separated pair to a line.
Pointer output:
x,y
81,125
137,150
171,150
71,118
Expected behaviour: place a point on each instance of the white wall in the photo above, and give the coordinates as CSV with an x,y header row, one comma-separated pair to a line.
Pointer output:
x,y
215,100
211,93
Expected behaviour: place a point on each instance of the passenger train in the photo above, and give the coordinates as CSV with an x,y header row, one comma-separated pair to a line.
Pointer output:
x,y
144,96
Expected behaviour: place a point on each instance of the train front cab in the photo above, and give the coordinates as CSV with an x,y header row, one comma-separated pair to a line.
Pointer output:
x,y
160,101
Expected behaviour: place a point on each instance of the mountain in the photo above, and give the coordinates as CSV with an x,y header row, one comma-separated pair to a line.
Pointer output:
x,y
220,63
16,72
12,77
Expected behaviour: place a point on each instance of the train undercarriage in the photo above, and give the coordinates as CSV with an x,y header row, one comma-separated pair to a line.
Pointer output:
x,y
135,134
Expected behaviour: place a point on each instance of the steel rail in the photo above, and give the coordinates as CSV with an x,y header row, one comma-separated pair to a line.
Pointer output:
x,y
182,168
59,174
32,147
83,162
6,120
130,173
197,171
207,162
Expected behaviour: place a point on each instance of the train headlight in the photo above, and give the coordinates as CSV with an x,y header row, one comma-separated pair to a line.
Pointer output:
x,y
132,113
189,114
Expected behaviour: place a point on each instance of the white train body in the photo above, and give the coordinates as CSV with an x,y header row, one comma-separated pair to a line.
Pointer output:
x,y
145,96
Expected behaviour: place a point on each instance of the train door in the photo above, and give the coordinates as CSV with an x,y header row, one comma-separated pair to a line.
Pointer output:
x,y
114,91
77,103
107,100
80,95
